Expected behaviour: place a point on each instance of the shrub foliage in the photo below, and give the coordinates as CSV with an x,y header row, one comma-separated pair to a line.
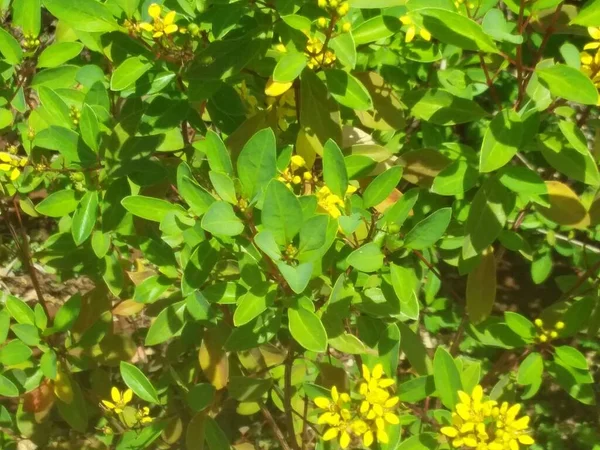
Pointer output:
x,y
299,224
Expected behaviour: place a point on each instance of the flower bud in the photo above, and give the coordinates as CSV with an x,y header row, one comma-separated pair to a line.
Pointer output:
x,y
346,27
559,325
538,322
322,22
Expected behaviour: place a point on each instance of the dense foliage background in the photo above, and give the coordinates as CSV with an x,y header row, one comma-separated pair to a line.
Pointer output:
x,y
299,224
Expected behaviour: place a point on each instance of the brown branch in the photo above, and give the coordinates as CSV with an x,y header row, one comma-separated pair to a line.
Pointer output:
x,y
490,82
276,430
287,400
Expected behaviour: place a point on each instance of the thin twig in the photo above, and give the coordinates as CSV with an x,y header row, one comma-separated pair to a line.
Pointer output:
x,y
276,430
287,400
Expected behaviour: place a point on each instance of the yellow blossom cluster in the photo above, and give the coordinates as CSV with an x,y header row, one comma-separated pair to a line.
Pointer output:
x,y
544,335
590,62
160,26
485,425
334,7
331,203
30,42
295,173
10,163
119,401
412,28
317,53
468,4
364,418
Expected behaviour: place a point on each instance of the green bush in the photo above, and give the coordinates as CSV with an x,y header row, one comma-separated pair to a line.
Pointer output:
x,y
299,224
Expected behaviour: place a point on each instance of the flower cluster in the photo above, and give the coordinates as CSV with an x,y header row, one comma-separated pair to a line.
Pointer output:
x,y
291,174
160,26
30,42
364,418
75,115
485,425
412,28
10,163
318,55
331,203
334,7
120,400
544,334
590,62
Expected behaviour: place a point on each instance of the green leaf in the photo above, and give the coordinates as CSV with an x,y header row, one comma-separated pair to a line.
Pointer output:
x,y
589,15
319,113
289,67
429,230
400,210
423,441
138,382
198,267
56,77
381,187
520,325
571,356
151,289
10,48
129,7
348,90
404,282
247,389
15,352
531,369
8,388
84,15
456,29
19,310
253,303
369,4
367,258
56,108
376,28
27,14
344,47
307,329
281,213
84,218
167,324
128,72
489,210
6,118
89,127
221,220
335,174
455,179
100,243
59,53
416,389
297,277
441,107
149,208
66,316
29,334
267,243
446,377
194,195
224,186
495,25
569,83
257,163
48,364
5,323
201,396
297,22
481,288
575,162
523,180
501,141
216,152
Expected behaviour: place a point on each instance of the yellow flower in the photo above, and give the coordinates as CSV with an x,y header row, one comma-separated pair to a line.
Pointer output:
x,y
297,162
119,400
335,410
595,34
143,415
412,29
510,430
341,430
160,26
318,57
331,203
544,335
11,164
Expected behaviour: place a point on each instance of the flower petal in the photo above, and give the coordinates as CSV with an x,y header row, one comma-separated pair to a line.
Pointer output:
x,y
127,396
594,32
331,434
146,27
154,10
477,393
169,18
344,439
449,431
526,439
377,371
115,394
410,34
170,29
15,174
368,438
157,34
108,404
335,396
391,418
322,402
